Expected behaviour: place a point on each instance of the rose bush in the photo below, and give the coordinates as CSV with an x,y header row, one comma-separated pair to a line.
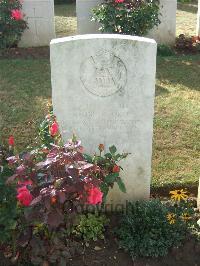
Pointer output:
x,y
54,182
132,17
12,23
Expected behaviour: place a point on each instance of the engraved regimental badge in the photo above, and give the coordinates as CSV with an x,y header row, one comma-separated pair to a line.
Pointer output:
x,y
103,74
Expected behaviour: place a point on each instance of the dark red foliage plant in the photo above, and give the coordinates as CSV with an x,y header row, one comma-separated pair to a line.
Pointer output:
x,y
53,185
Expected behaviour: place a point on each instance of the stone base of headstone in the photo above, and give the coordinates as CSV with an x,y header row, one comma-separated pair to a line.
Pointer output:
x,y
40,17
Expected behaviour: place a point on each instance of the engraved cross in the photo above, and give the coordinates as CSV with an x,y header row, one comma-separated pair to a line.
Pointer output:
x,y
35,19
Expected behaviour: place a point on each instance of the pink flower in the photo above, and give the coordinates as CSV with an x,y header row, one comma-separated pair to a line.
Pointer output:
x,y
94,196
16,14
54,129
24,196
119,1
11,141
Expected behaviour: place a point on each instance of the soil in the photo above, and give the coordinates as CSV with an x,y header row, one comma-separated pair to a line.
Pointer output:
x,y
111,255
25,53
43,52
107,253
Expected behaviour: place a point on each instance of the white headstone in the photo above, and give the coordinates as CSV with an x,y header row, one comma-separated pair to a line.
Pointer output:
x,y
198,19
103,91
40,17
165,33
83,13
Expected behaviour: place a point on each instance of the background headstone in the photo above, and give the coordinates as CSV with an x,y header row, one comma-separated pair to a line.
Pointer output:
x,y
198,19
40,17
83,13
165,33
103,91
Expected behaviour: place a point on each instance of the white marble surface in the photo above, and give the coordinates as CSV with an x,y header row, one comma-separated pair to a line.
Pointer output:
x,y
103,91
165,33
83,13
40,17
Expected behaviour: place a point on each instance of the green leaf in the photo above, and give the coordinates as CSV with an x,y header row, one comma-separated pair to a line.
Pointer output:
x,y
108,155
112,149
111,177
104,188
88,158
121,185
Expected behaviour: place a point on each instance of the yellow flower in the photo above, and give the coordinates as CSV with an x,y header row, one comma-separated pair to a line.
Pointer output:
x,y
186,217
178,194
171,217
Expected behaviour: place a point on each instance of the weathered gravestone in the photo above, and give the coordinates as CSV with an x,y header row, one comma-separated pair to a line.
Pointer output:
x,y
40,18
84,13
165,33
103,91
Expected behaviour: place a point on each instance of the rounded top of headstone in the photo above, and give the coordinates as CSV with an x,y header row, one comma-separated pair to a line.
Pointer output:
x,y
103,36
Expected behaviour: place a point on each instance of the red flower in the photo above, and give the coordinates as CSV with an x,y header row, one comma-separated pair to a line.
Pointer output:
x,y
54,129
119,1
24,196
53,200
94,196
16,14
11,141
116,169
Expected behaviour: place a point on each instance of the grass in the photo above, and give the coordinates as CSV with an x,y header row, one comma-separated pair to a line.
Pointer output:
x,y
186,19
177,124
25,91
65,20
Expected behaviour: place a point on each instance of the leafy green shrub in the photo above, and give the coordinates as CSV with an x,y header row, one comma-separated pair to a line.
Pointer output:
x,y
91,227
145,230
164,50
131,17
12,24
